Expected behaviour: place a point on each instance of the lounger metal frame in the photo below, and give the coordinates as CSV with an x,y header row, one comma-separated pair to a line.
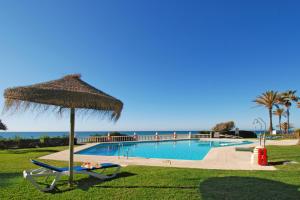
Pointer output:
x,y
30,175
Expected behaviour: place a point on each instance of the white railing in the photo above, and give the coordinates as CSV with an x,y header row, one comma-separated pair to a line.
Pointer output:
x,y
162,137
146,137
97,139
183,136
121,138
93,139
202,136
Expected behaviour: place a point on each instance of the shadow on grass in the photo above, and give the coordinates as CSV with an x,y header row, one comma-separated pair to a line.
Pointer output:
x,y
150,186
246,188
276,163
6,178
86,183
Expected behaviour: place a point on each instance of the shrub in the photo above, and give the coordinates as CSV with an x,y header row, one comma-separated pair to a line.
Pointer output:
x,y
44,138
113,134
44,141
117,134
204,132
17,138
224,126
98,134
243,134
297,133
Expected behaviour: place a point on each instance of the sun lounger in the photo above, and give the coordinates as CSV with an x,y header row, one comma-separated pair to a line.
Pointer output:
x,y
49,170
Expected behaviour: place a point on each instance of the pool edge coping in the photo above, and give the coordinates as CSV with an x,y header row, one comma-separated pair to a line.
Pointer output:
x,y
230,159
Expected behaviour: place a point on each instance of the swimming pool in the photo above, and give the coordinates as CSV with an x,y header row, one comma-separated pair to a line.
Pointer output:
x,y
179,150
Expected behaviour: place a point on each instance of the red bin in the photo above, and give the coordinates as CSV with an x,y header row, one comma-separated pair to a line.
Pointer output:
x,y
260,153
262,157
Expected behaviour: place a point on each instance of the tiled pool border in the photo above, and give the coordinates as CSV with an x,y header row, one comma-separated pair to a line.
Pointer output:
x,y
225,158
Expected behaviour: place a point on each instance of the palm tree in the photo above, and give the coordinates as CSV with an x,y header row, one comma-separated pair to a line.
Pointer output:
x,y
285,126
279,112
286,99
2,126
268,99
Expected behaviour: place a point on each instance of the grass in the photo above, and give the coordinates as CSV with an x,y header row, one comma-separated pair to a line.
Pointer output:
x,y
137,182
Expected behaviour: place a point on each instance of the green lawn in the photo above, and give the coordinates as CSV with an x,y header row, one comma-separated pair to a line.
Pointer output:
x,y
137,182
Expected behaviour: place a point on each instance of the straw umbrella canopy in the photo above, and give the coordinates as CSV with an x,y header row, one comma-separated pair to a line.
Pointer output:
x,y
2,126
69,93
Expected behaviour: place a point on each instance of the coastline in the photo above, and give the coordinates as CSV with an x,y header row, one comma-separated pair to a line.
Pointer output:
x,y
80,134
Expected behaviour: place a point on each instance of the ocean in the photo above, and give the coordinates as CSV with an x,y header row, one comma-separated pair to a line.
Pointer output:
x,y
81,134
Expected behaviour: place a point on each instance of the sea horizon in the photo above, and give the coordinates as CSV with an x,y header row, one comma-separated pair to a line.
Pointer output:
x,y
81,134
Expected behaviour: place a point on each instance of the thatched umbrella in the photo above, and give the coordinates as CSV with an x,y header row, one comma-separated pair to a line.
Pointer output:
x,y
2,126
67,93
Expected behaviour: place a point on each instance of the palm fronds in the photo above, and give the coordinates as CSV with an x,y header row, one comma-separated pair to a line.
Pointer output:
x,y
279,112
285,126
287,98
267,99
3,126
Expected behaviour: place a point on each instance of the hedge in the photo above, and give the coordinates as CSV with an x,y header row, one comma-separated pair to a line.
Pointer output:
x,y
33,143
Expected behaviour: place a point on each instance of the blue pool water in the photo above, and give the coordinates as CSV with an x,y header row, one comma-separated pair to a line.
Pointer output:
x,y
179,150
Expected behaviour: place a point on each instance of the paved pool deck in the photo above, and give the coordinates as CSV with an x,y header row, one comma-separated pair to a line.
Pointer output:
x,y
225,158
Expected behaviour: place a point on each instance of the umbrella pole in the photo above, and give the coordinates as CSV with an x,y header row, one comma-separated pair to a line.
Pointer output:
x,y
71,145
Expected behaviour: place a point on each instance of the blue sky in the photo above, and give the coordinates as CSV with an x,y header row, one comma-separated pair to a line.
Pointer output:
x,y
176,65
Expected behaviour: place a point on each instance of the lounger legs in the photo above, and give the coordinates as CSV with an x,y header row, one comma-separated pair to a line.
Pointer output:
x,y
42,172
30,175
100,175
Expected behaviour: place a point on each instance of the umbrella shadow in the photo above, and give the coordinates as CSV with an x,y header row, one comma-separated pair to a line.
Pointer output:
x,y
88,182
6,178
231,188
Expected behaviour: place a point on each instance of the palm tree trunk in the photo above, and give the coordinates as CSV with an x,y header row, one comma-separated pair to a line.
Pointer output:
x,y
271,122
71,145
280,124
297,133
288,120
